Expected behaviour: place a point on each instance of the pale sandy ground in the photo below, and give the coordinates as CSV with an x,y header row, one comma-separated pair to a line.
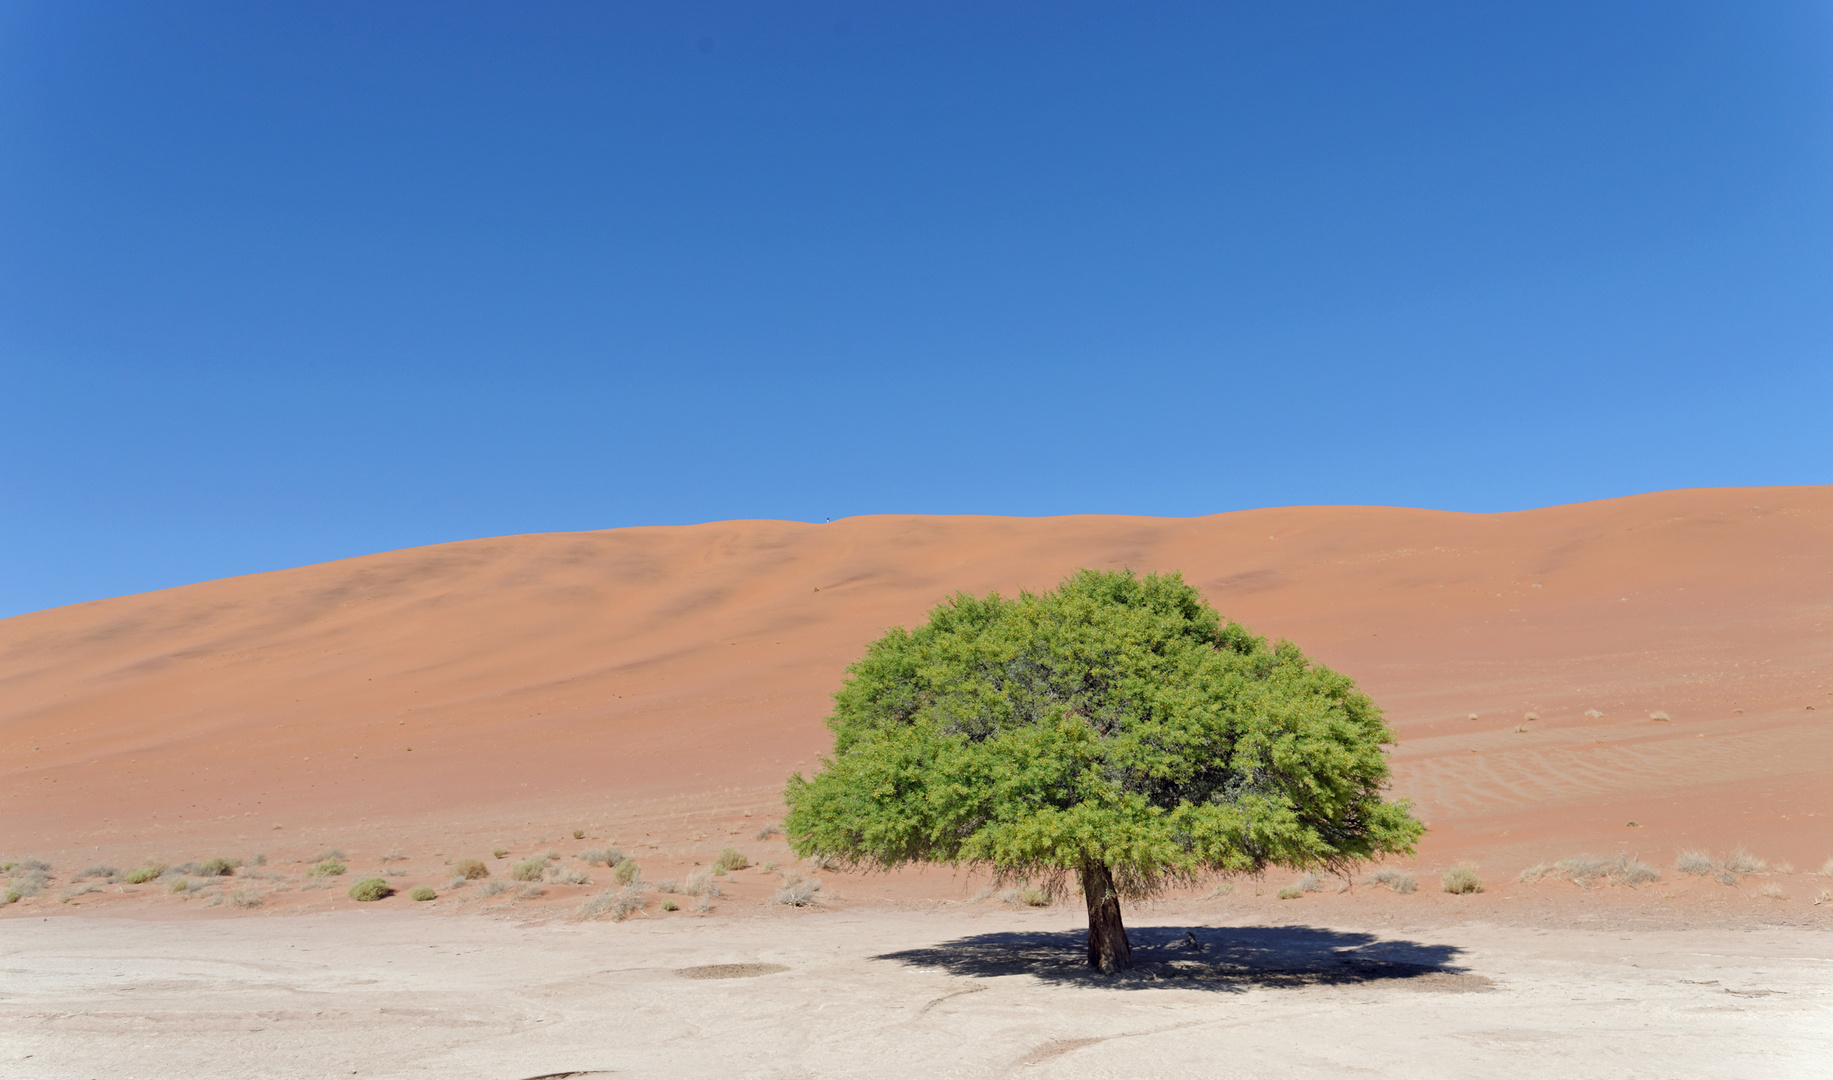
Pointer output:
x,y
883,993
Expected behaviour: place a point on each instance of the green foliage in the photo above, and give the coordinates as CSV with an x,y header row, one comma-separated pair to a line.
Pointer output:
x,y
368,889
218,867
328,868
423,892
626,871
143,874
1117,722
670,905
528,870
729,860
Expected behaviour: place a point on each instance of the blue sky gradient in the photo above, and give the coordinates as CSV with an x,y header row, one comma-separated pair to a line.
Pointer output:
x,y
282,283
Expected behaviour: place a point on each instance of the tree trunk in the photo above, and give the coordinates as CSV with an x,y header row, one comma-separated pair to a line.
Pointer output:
x,y
1108,948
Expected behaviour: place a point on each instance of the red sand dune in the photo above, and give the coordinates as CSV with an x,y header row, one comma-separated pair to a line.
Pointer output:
x,y
667,679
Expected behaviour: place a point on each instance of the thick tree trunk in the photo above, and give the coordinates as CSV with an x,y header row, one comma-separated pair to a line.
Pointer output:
x,y
1108,948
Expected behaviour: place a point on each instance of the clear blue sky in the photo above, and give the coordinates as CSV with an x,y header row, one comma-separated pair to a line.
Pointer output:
x,y
282,283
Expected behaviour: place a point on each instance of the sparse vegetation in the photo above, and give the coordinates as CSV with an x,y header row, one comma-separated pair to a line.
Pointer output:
x,y
13,896
827,862
1659,715
244,898
670,905
1461,880
330,855
1311,883
529,892
98,870
393,856
579,834
797,891
1826,869
729,860
491,888
702,883
1029,896
1743,862
667,885
499,852
1225,889
143,874
327,868
368,889
1397,880
179,885
567,875
217,867
768,831
609,856
704,904
1694,862
528,870
1773,891
423,892
1586,871
457,883
627,872
471,869
1290,892
620,904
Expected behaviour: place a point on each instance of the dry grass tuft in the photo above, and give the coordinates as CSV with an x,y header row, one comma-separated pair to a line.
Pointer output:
x,y
1586,871
98,870
1826,896
1773,891
567,875
1461,881
1694,862
1224,889
143,874
491,888
528,870
1826,869
327,868
729,860
609,856
1028,896
627,872
1743,862
1290,892
1398,880
702,883
620,904
530,892
471,869
797,891
244,898
768,831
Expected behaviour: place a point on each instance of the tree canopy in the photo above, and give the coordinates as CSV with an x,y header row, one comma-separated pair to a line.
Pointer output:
x,y
1116,729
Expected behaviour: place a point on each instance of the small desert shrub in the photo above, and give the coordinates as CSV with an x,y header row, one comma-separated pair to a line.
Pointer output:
x,y
423,892
1029,896
1593,714
1311,883
96,871
609,856
214,901
328,868
1460,880
567,875
770,868
490,889
529,892
579,834
768,831
730,859
704,904
217,867
13,896
1531,716
368,889
1826,895
1694,862
500,852
1743,862
179,885
244,898
627,872
1291,892
257,859
457,883
1659,715
329,855
143,874
670,905
797,891
1223,889
393,856
1784,867
471,869
1398,880
1773,891
527,870
701,883
667,885
826,862
1826,869
620,904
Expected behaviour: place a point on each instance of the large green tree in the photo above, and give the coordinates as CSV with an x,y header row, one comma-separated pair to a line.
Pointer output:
x,y
1115,729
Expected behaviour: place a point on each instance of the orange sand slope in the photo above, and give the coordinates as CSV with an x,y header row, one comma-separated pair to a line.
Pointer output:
x,y
636,673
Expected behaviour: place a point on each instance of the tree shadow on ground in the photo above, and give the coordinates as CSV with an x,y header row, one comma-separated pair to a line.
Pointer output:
x,y
1226,959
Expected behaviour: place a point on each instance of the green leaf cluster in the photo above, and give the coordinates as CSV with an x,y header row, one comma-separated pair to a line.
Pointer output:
x,y
1115,721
